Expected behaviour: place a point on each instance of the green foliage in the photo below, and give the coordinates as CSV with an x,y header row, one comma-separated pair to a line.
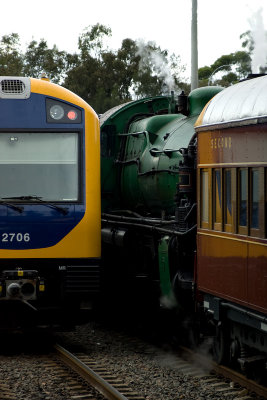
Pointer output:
x,y
238,66
90,43
105,78
204,72
11,58
40,59
102,77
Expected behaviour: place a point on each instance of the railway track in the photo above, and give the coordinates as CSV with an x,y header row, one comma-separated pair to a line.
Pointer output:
x,y
222,380
110,386
59,375
40,377
122,367
234,377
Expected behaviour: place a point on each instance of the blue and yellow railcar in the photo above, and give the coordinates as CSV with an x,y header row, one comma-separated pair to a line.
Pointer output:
x,y
49,203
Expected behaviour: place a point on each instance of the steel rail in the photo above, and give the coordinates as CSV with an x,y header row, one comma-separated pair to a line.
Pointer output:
x,y
242,380
108,391
227,372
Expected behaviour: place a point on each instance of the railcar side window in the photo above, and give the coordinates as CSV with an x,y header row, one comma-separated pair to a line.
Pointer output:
x,y
228,196
243,197
204,198
254,199
228,200
237,198
217,199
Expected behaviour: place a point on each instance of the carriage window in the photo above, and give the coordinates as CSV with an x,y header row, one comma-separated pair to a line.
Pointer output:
x,y
217,199
243,195
228,214
204,197
255,199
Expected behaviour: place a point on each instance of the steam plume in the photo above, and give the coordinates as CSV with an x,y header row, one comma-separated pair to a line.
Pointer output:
x,y
157,62
259,36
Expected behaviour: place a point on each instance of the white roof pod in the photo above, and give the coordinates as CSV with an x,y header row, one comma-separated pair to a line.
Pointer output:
x,y
240,103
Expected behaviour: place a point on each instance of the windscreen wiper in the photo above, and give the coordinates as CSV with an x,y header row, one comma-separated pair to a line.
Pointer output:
x,y
63,210
17,208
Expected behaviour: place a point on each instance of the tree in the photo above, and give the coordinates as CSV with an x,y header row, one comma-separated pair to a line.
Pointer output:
x,y
88,76
237,65
103,82
106,78
102,77
11,58
91,41
39,58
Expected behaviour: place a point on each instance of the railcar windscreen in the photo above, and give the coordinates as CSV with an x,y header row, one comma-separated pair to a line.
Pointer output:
x,y
43,164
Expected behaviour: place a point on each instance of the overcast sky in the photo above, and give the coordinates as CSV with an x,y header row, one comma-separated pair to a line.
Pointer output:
x,y
220,23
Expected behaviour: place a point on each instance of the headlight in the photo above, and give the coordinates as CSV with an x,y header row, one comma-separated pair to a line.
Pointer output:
x,y
59,112
72,115
56,112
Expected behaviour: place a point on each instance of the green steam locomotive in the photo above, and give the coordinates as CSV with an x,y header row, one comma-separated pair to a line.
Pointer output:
x,y
148,198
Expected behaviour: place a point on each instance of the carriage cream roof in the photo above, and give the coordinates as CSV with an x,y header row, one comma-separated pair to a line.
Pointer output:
x,y
243,103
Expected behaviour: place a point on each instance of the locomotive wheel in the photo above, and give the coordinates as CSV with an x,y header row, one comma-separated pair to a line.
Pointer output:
x,y
220,346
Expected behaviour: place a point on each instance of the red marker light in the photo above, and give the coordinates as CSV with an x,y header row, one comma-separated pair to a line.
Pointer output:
x,y
72,115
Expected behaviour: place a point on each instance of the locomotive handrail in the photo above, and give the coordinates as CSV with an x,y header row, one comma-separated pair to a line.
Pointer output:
x,y
139,219
153,227
142,219
147,135
151,171
126,211
133,133
167,152
157,171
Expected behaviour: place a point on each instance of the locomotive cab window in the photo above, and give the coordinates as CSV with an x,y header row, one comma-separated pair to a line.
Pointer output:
x,y
43,164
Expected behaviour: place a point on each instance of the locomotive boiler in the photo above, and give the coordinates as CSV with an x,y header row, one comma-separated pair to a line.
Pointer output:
x,y
148,197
